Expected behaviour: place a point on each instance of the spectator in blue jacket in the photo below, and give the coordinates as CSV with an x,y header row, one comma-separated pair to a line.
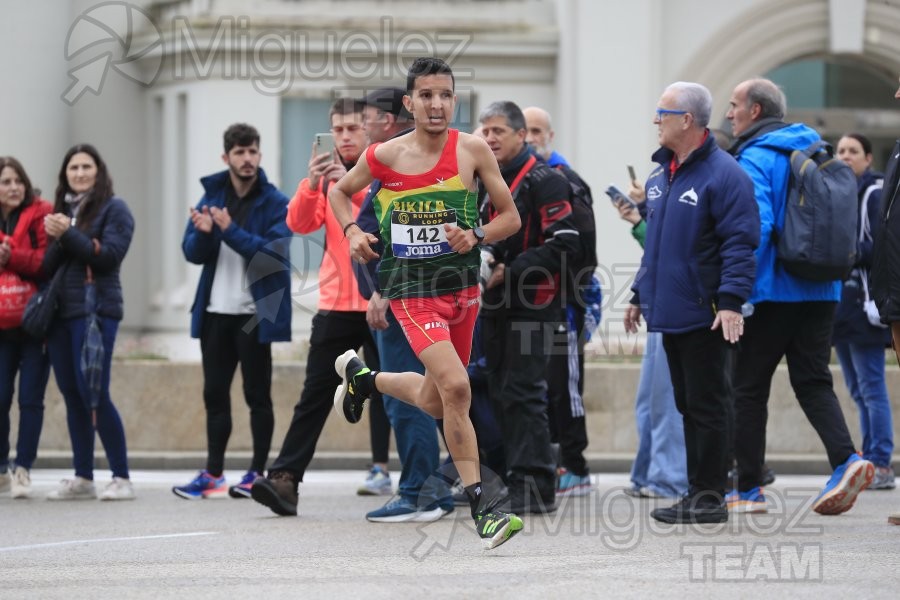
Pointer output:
x,y
90,232
659,468
243,303
696,272
792,317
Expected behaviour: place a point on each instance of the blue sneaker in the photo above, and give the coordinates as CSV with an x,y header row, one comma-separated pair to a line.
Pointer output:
x,y
242,490
203,486
752,501
436,510
400,510
847,481
397,510
377,483
570,484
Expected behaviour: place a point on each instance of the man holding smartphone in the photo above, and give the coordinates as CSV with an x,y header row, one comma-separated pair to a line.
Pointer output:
x,y
340,322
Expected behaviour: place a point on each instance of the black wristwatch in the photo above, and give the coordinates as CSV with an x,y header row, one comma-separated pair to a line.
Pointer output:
x,y
479,234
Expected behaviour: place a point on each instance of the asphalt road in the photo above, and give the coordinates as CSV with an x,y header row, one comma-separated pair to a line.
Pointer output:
x,y
603,545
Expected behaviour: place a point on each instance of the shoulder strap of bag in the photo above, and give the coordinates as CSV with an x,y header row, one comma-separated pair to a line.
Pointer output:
x,y
865,228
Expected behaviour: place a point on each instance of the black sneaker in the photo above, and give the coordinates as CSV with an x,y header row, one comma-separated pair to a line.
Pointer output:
x,y
278,491
768,478
494,527
348,400
694,509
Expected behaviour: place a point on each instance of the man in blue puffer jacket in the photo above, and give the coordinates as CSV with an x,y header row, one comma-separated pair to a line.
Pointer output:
x,y
792,317
243,302
697,271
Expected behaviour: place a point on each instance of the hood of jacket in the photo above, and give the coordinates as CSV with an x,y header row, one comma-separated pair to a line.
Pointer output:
x,y
785,139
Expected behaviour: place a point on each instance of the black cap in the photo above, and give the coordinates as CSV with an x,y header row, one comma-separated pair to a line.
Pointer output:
x,y
389,100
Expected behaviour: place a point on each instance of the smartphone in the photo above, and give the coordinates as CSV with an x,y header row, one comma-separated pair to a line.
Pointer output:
x,y
631,175
616,195
324,143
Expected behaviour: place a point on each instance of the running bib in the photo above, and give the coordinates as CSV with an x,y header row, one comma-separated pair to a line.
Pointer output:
x,y
420,234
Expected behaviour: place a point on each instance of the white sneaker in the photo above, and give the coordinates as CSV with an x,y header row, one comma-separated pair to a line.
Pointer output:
x,y
21,483
118,489
74,489
4,481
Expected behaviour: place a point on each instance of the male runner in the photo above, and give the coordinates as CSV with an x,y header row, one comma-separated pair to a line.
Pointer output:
x,y
429,222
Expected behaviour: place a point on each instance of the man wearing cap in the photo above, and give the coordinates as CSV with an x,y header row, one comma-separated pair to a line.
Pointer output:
x,y
341,319
414,430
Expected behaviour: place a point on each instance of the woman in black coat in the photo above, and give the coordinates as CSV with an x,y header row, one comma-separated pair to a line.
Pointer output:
x,y
860,339
90,232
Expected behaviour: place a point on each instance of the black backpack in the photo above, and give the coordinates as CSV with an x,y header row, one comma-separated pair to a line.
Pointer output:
x,y
818,241
582,267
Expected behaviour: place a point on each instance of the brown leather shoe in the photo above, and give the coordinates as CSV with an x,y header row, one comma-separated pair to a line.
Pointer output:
x,y
278,491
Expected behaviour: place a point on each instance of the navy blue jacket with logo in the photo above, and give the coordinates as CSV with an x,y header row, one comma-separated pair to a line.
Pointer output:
x,y
702,230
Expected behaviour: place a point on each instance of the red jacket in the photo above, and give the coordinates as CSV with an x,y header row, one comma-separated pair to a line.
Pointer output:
x,y
28,241
307,212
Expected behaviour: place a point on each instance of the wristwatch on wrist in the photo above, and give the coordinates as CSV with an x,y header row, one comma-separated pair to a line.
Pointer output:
x,y
479,234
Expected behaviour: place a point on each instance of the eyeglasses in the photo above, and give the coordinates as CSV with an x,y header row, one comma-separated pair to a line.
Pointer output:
x,y
661,112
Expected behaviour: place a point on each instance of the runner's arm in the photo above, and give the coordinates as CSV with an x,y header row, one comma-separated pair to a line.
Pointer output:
x,y
339,195
506,221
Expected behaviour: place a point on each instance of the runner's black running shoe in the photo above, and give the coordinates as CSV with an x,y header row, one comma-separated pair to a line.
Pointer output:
x,y
495,527
349,400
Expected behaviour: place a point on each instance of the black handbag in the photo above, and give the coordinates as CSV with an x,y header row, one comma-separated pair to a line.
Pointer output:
x,y
41,307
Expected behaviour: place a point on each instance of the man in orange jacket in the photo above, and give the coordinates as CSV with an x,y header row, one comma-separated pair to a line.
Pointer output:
x,y
341,319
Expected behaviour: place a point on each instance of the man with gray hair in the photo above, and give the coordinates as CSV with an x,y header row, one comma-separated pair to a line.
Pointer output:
x,y
792,317
522,304
696,272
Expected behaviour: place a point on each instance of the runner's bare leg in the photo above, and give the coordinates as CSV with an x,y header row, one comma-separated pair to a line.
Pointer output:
x,y
447,382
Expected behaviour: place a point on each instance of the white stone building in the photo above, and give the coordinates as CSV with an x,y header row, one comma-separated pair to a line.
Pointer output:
x,y
153,84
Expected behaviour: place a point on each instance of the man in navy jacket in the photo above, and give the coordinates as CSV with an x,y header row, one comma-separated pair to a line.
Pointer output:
x,y
243,302
697,270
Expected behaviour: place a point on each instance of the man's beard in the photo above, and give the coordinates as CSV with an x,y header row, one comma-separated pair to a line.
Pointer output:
x,y
242,177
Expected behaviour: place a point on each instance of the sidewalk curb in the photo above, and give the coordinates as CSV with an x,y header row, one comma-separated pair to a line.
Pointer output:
x,y
799,464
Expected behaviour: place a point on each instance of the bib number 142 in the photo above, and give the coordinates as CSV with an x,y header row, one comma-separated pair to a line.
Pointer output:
x,y
420,234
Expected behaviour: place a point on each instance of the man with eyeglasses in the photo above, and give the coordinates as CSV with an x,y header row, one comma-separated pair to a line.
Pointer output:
x,y
696,272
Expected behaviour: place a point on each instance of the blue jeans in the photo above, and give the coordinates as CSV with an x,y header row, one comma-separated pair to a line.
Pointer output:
x,y
661,461
28,357
414,431
863,368
64,342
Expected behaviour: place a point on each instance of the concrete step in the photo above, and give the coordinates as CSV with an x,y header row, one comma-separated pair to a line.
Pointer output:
x,y
162,407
